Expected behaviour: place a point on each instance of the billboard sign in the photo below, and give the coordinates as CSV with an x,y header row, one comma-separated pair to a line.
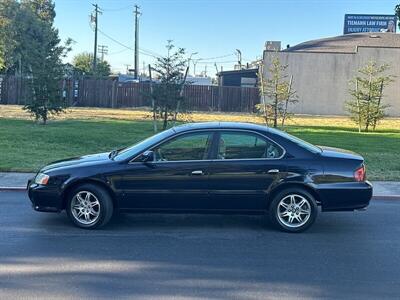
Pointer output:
x,y
369,23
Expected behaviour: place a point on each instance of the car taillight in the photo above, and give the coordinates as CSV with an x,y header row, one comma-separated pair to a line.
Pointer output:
x,y
360,174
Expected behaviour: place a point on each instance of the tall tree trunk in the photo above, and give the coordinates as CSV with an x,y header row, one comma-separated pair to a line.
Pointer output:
x,y
358,107
178,104
165,124
262,92
368,115
289,90
378,107
276,105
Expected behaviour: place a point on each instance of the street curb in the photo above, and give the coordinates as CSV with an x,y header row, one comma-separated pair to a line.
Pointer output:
x,y
387,197
12,188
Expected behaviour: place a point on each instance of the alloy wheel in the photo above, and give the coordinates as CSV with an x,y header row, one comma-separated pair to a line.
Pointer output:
x,y
85,207
294,210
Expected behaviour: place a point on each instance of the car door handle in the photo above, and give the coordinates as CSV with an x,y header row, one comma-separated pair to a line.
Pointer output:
x,y
273,171
197,172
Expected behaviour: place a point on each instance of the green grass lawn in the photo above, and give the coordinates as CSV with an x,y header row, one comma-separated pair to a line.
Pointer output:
x,y
25,146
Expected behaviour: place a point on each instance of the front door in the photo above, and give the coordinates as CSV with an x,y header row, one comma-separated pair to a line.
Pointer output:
x,y
177,178
246,165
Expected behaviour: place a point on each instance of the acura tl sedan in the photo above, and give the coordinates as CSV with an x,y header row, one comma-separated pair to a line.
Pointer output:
x,y
223,168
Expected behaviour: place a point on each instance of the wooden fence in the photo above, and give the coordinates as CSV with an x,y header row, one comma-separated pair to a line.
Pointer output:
x,y
110,93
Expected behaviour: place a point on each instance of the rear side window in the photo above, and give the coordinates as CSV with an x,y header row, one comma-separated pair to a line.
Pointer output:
x,y
299,142
246,145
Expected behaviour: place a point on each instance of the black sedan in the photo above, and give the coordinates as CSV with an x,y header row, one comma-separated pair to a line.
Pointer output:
x,y
207,168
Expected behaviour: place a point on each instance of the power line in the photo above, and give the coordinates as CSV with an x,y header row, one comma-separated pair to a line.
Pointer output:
x,y
153,54
118,52
150,52
125,46
115,9
114,40
218,62
217,57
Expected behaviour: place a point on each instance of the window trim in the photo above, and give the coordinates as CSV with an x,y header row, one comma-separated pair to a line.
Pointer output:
x,y
246,159
209,150
215,132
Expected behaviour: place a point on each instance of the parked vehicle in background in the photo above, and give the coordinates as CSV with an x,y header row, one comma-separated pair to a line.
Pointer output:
x,y
207,168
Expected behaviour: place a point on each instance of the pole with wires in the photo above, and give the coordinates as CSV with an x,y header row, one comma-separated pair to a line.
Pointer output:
x,y
137,13
103,49
94,19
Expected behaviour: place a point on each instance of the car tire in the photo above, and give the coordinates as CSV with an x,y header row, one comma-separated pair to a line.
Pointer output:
x,y
89,206
293,210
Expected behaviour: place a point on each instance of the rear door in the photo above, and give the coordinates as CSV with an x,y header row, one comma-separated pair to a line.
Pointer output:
x,y
246,164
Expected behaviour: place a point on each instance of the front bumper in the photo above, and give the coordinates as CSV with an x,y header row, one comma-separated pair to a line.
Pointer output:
x,y
346,196
44,198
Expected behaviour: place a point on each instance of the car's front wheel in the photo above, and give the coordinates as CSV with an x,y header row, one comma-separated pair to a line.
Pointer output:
x,y
293,210
89,206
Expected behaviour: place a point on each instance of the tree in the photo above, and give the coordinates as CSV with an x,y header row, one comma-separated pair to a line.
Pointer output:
x,y
43,58
30,48
167,95
43,9
397,12
82,63
276,93
366,107
9,9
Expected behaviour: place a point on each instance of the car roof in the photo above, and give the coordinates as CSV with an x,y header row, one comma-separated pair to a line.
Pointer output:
x,y
219,125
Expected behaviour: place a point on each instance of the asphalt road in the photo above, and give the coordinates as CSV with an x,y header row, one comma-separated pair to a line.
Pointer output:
x,y
345,255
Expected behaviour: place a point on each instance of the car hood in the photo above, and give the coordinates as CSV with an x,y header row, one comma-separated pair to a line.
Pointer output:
x,y
93,158
339,153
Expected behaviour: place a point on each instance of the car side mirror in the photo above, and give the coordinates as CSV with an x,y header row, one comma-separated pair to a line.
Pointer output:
x,y
147,156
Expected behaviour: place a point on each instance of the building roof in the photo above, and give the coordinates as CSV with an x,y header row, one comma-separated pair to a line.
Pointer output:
x,y
241,71
349,43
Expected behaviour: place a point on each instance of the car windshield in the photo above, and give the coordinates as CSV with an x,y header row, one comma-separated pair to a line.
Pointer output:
x,y
310,147
141,146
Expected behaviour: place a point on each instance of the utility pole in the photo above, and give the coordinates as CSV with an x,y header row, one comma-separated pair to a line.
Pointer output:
x,y
103,49
216,67
137,14
144,68
127,69
94,18
190,58
239,55
195,61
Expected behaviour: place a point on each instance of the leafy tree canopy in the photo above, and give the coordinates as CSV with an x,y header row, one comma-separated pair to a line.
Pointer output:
x,y
366,106
83,64
276,93
168,93
31,48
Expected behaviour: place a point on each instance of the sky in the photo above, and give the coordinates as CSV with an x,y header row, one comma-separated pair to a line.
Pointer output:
x,y
213,29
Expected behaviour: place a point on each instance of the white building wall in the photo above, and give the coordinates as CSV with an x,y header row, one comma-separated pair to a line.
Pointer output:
x,y
321,79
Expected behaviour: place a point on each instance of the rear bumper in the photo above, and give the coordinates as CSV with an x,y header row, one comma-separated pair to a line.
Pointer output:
x,y
44,198
345,196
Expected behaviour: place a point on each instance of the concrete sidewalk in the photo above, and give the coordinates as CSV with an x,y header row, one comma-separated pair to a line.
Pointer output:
x,y
11,181
17,181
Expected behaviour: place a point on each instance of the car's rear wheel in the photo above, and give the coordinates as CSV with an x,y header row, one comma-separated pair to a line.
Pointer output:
x,y
89,206
293,210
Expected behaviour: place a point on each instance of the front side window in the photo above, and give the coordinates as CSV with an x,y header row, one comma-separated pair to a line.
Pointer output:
x,y
131,151
186,147
243,145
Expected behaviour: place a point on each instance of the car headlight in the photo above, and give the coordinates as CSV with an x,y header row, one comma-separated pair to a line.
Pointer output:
x,y
42,179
